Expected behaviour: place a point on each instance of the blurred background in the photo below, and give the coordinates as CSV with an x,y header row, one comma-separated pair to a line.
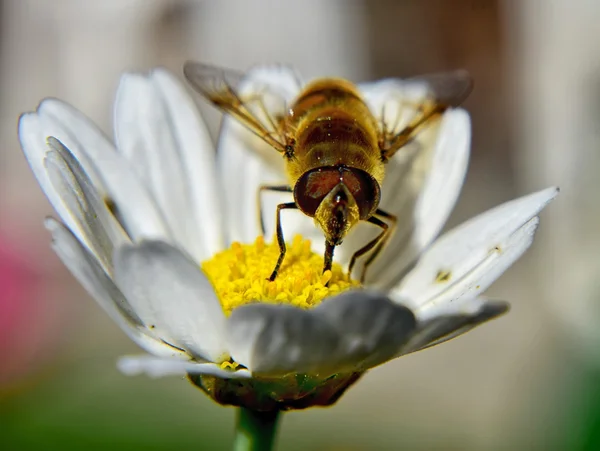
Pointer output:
x,y
528,381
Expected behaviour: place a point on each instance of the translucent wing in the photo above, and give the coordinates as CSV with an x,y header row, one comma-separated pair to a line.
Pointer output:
x,y
259,107
447,88
420,103
245,161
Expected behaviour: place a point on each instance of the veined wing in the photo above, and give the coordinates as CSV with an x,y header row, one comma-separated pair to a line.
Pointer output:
x,y
260,107
417,103
245,161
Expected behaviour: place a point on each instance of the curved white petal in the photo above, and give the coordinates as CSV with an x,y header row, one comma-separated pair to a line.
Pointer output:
x,y
108,171
245,161
278,339
468,259
371,327
353,331
157,367
454,322
422,180
101,230
33,142
198,156
443,178
171,295
446,177
160,133
89,273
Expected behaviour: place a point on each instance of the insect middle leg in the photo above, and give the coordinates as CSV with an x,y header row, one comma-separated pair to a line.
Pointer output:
x,y
377,243
280,239
261,189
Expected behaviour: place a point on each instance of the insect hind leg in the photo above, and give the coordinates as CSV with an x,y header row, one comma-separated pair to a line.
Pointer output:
x,y
376,244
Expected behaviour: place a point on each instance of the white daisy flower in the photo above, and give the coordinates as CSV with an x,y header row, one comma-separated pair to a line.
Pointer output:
x,y
167,240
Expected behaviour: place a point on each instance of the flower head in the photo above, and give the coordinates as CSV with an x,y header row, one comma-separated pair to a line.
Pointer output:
x,y
167,241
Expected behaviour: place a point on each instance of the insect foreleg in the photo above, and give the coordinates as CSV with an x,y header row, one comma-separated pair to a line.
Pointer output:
x,y
280,238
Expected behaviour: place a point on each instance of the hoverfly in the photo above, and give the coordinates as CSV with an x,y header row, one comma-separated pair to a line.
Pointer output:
x,y
334,147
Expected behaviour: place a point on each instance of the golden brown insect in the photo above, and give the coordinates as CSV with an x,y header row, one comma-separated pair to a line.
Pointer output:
x,y
334,147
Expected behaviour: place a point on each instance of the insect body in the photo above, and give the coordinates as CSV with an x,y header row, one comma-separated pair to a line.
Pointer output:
x,y
334,147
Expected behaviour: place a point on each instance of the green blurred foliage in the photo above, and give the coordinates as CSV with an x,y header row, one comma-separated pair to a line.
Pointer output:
x,y
583,425
86,408
90,405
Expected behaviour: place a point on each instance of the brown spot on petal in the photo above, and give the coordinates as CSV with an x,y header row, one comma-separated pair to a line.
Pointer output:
x,y
443,276
111,205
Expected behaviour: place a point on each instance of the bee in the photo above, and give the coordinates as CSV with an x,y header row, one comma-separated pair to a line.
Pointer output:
x,y
334,147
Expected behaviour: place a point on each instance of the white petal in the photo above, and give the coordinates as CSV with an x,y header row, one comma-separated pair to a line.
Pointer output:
x,y
108,171
101,230
449,325
89,273
245,162
169,292
372,328
159,139
446,177
354,331
198,157
34,145
442,181
422,180
275,340
468,259
157,367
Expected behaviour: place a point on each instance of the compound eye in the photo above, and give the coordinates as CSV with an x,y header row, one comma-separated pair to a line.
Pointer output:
x,y
312,187
364,189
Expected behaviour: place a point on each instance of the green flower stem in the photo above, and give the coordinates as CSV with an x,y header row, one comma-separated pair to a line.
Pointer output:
x,y
255,431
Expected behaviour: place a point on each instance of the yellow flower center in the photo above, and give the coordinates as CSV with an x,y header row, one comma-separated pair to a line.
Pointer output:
x,y
240,274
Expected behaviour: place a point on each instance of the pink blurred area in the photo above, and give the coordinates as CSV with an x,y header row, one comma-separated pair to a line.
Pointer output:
x,y
30,320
